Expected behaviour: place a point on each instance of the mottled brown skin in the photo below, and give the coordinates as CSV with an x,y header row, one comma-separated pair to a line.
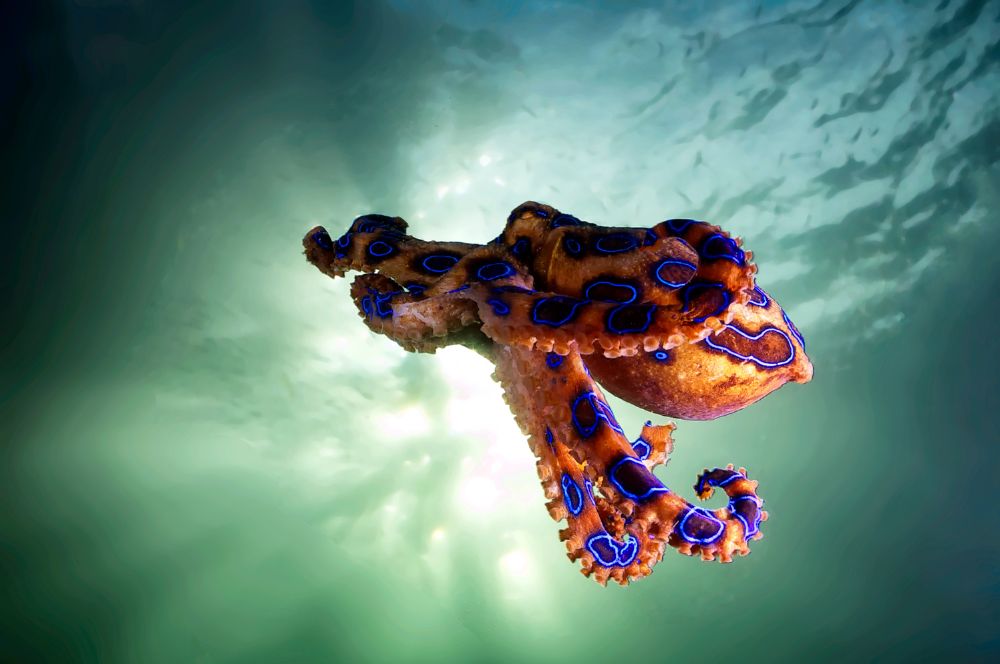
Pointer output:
x,y
668,318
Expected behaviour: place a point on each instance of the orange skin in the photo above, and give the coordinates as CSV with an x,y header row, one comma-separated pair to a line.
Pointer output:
x,y
668,318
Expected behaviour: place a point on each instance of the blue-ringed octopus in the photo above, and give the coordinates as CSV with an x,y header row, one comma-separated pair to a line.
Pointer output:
x,y
668,318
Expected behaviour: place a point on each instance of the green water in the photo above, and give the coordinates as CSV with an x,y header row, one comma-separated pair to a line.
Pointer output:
x,y
206,457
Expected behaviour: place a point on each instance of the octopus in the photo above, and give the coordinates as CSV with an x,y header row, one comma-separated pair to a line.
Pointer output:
x,y
668,318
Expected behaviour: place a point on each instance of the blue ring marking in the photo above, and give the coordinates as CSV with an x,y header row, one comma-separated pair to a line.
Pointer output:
x,y
548,436
630,243
553,360
731,251
384,249
671,261
601,557
540,212
589,490
500,307
602,411
572,495
735,476
322,238
794,330
642,448
650,238
629,550
496,270
366,306
560,299
564,220
572,246
678,226
753,358
762,302
651,491
380,300
661,356
521,248
748,530
704,285
583,430
344,240
705,479
587,294
611,326
416,289
615,554
459,289
439,269
707,516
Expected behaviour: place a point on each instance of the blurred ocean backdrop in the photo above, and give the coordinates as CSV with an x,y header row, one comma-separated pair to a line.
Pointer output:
x,y
206,457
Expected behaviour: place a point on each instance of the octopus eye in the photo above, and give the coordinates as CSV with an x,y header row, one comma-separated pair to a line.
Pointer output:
x,y
322,238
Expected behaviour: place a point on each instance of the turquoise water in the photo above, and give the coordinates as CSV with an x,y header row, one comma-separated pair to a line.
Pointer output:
x,y
208,458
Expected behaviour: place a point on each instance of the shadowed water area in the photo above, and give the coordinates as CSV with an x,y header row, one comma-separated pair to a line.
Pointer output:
x,y
206,456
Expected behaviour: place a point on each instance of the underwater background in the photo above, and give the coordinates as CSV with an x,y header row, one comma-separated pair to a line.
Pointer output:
x,y
206,456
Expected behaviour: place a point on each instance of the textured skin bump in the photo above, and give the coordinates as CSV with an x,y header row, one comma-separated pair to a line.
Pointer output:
x,y
667,317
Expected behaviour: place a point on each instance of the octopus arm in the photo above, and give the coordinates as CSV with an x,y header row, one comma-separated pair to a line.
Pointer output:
x,y
619,515
420,324
375,243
